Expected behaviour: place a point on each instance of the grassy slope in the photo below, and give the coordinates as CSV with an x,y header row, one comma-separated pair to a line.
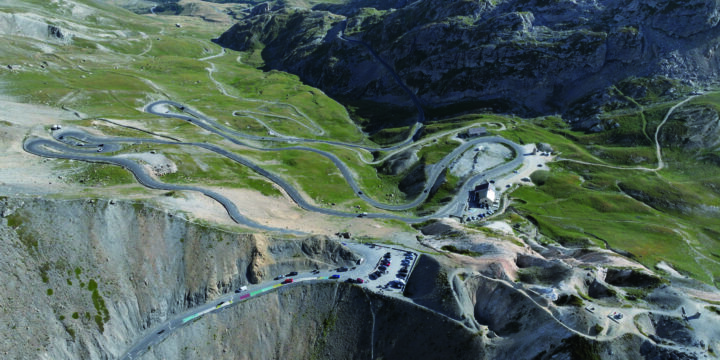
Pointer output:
x,y
584,204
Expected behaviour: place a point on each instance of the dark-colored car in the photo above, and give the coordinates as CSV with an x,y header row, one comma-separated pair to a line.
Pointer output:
x,y
316,271
342,269
288,281
359,281
387,255
382,267
372,276
292,273
335,276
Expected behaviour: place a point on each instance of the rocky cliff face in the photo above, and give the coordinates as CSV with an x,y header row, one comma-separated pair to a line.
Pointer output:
x,y
84,279
323,321
526,56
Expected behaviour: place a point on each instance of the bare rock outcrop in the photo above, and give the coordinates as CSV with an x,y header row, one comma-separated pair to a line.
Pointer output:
x,y
526,57
95,274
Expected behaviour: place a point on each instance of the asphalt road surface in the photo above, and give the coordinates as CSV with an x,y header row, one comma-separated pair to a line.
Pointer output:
x,y
79,145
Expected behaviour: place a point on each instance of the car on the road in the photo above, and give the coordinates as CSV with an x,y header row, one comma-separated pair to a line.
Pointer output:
x,y
342,269
539,165
288,281
279,277
334,276
161,331
241,289
292,273
316,271
219,304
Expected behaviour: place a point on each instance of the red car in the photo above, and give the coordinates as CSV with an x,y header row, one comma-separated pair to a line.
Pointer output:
x,y
287,281
359,280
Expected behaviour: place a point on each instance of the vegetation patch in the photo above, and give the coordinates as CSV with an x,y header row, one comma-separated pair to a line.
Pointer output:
x,y
569,300
454,249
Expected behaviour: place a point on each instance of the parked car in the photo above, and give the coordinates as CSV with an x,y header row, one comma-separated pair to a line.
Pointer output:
x,y
241,289
359,280
335,276
288,281
372,276
342,269
382,267
387,255
279,277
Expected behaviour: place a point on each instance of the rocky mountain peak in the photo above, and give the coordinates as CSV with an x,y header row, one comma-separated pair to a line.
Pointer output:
x,y
526,57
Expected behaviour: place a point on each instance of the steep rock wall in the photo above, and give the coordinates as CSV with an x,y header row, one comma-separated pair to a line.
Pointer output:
x,y
84,278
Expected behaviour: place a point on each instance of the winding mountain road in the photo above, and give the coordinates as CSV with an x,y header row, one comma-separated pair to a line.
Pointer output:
x,y
79,145
74,144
